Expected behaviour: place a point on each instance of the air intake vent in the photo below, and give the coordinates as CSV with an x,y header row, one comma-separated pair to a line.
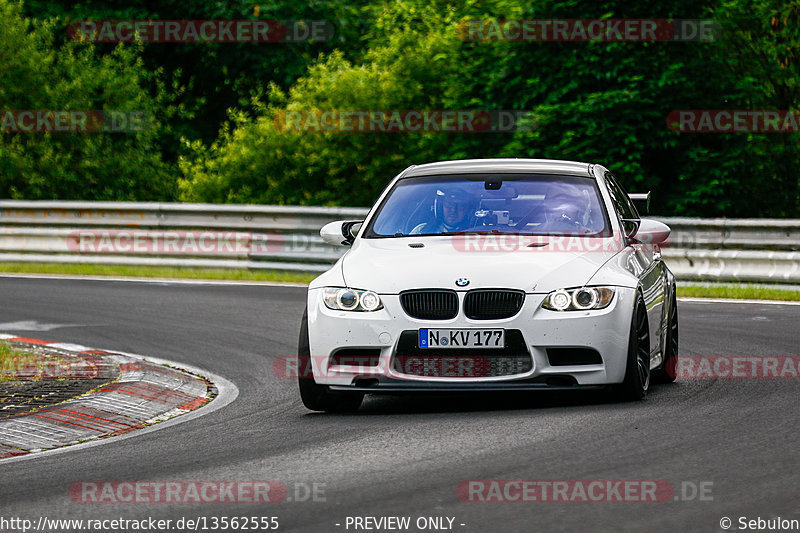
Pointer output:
x,y
491,304
430,304
356,357
573,356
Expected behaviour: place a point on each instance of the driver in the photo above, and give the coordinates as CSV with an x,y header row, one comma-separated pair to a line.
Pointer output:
x,y
566,208
453,208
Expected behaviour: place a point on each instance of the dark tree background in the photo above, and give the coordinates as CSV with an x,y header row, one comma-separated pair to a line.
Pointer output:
x,y
213,136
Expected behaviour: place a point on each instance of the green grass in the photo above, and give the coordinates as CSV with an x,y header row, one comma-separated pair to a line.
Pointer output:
x,y
738,292
157,272
12,360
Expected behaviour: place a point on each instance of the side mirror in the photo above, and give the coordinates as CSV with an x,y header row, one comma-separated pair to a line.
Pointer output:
x,y
648,231
341,232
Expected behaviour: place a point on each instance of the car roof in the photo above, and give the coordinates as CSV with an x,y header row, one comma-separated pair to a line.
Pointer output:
x,y
500,166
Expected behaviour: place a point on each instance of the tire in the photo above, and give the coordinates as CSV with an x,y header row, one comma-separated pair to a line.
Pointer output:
x,y
637,369
320,397
668,371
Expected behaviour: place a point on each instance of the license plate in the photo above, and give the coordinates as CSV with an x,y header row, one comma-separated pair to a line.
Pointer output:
x,y
462,338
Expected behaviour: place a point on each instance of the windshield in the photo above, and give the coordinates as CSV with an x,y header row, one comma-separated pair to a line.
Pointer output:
x,y
499,203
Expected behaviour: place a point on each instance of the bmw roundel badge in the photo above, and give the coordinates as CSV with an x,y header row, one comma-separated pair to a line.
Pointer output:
x,y
462,282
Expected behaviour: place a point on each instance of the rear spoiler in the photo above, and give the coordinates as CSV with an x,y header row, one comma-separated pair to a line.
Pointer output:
x,y
641,197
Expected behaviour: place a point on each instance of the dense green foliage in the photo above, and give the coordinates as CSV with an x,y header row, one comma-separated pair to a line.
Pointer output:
x,y
217,136
36,75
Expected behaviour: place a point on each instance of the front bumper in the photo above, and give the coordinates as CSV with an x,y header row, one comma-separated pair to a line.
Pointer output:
x,y
605,330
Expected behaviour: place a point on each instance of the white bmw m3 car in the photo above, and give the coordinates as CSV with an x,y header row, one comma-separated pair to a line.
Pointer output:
x,y
491,274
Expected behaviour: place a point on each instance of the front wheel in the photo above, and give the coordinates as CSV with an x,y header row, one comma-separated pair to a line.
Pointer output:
x,y
637,368
320,397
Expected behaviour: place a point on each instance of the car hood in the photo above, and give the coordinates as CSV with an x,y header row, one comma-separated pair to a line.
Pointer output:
x,y
389,266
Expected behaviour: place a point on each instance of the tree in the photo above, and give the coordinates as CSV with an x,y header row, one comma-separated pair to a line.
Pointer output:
x,y
37,76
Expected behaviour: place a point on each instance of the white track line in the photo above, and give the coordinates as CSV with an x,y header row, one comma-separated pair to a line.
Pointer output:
x,y
176,281
735,301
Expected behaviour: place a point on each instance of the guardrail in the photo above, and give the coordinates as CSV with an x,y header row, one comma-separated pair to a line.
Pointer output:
x,y
719,249
287,238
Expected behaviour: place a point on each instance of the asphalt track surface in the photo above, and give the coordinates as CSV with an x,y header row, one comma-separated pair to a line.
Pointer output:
x,y
404,456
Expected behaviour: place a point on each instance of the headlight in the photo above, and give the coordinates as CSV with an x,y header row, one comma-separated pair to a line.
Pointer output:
x,y
343,299
581,299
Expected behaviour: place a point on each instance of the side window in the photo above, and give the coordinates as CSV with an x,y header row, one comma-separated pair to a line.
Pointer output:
x,y
620,198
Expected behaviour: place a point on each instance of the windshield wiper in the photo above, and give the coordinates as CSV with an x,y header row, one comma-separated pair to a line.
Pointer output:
x,y
477,232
